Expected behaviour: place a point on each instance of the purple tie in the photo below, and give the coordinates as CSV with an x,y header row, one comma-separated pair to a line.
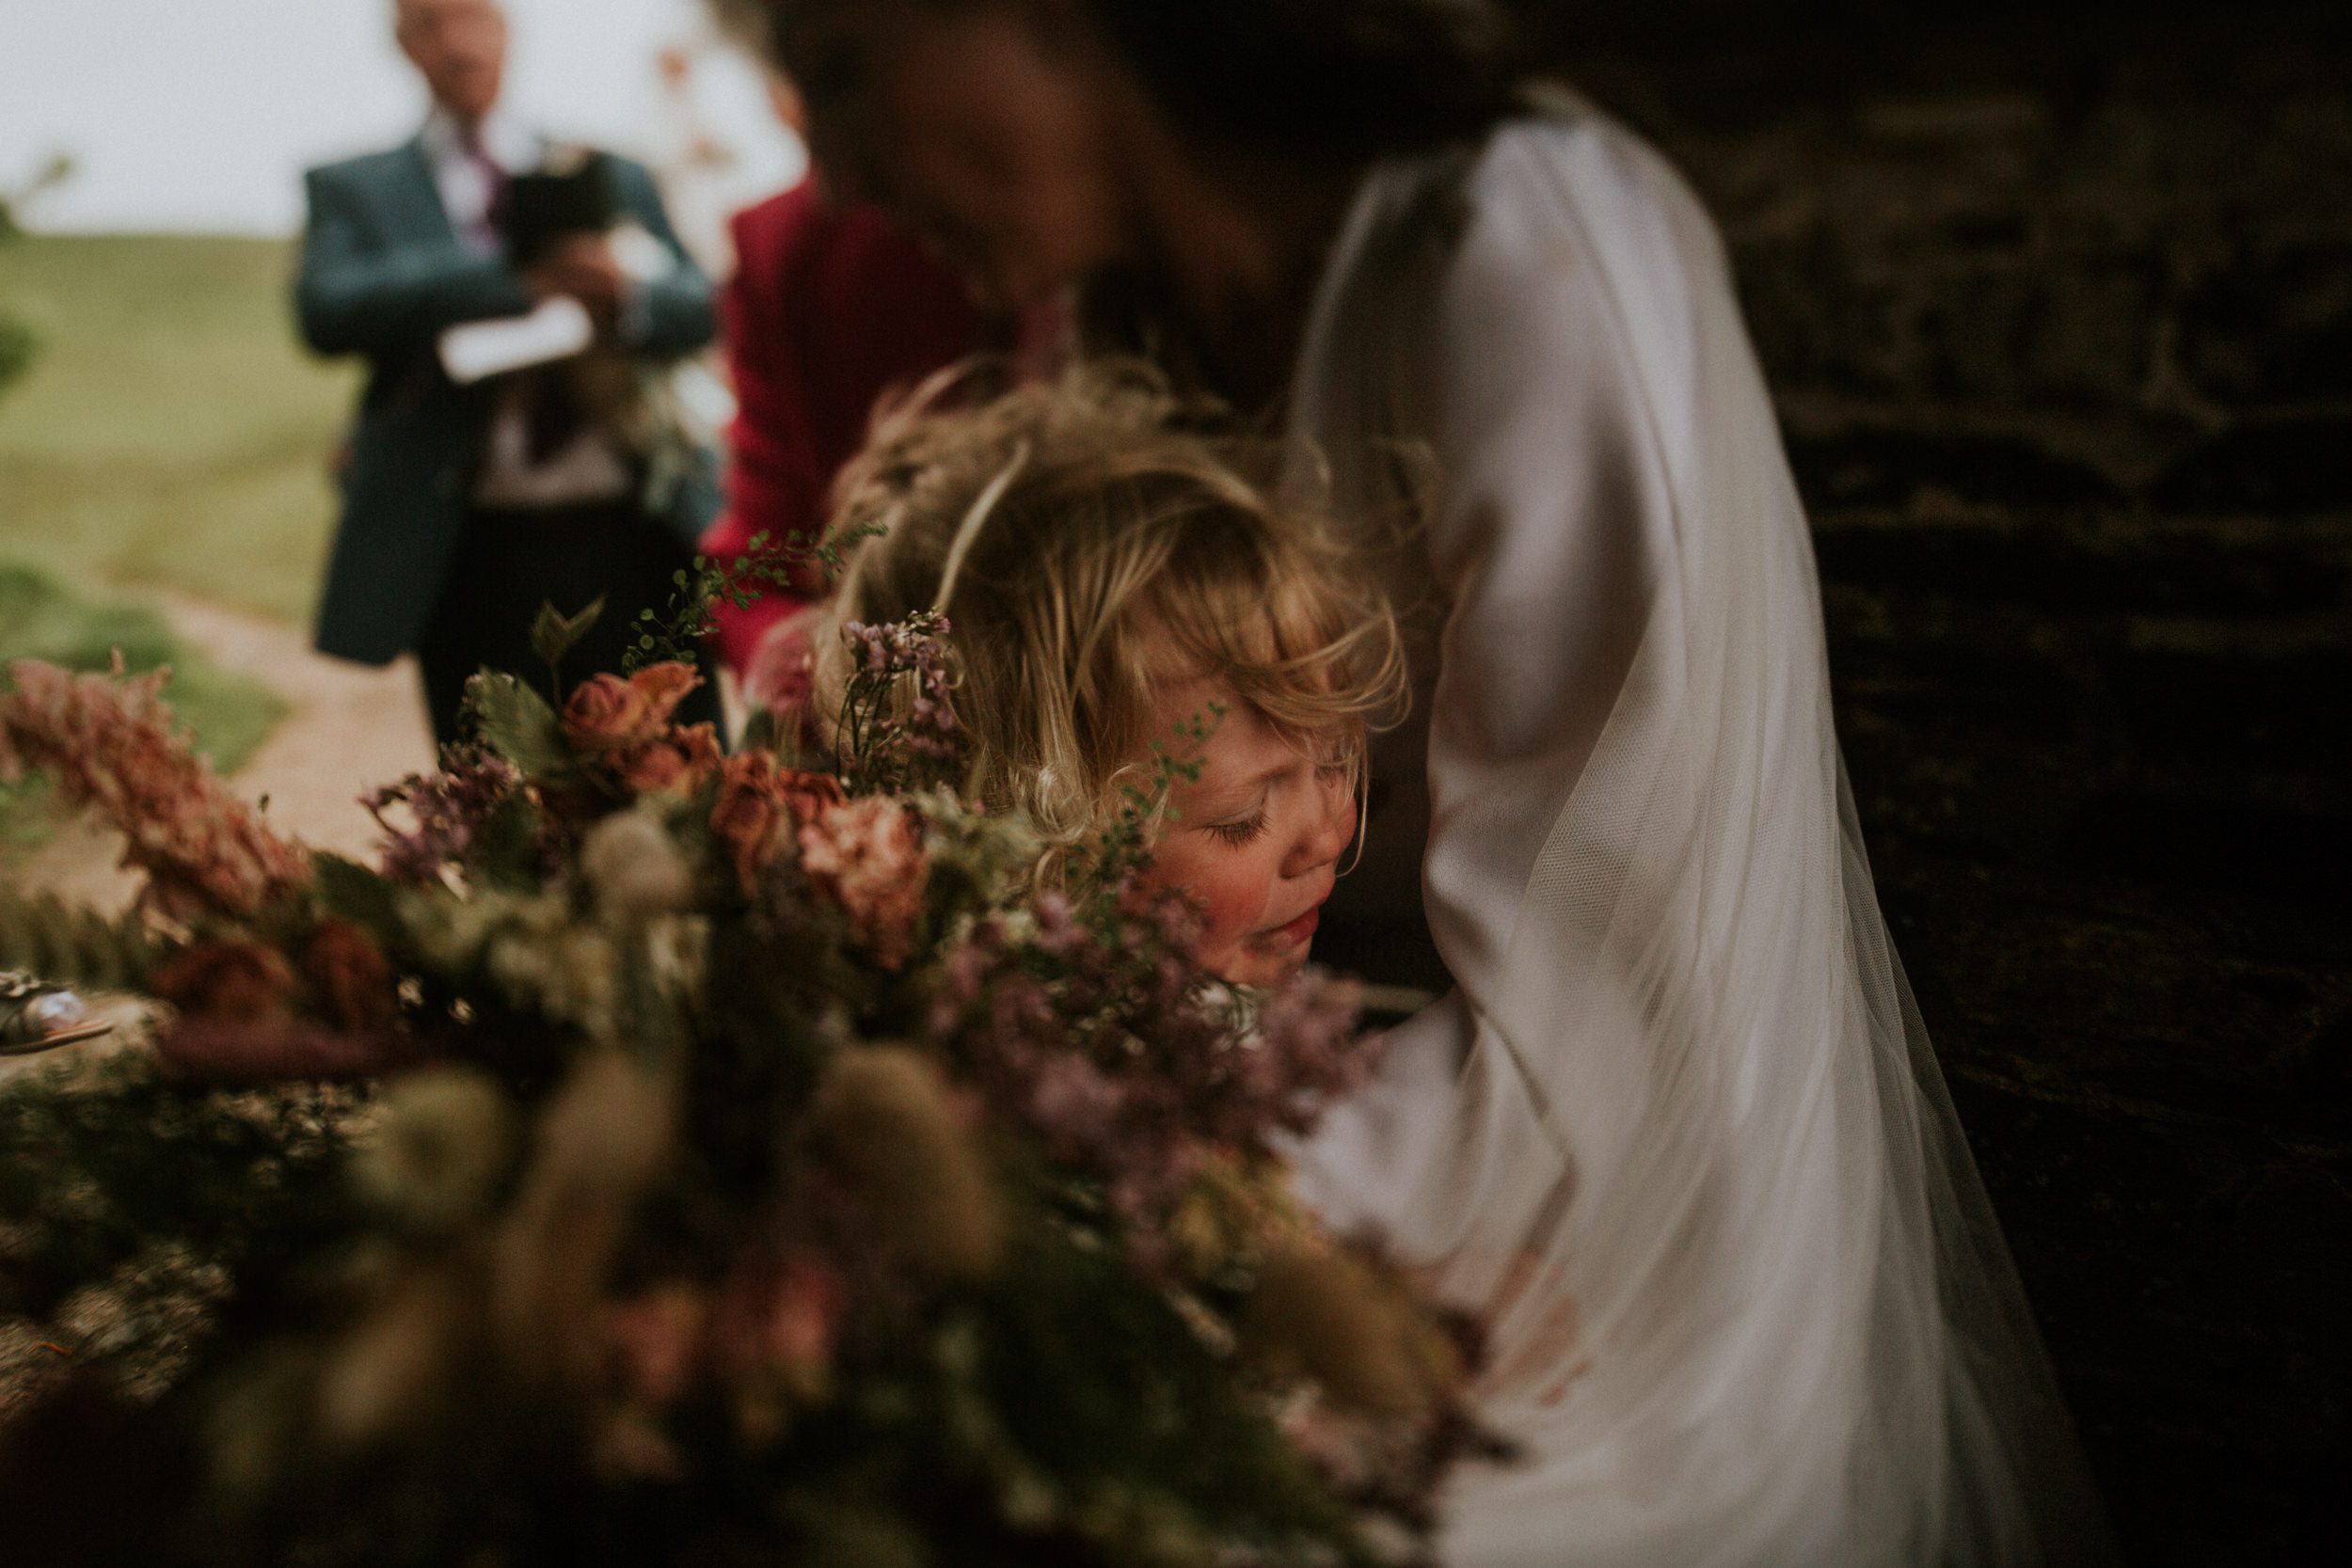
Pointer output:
x,y
493,185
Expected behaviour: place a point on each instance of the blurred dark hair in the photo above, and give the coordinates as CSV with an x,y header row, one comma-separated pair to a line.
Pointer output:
x,y
1348,78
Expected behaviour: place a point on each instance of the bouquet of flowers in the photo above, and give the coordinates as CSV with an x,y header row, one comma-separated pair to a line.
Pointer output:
x,y
663,1155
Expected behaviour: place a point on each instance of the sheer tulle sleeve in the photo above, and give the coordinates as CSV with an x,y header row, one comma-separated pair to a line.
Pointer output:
x,y
1676,1134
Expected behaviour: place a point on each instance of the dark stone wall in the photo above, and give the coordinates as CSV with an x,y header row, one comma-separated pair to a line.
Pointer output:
x,y
2060,326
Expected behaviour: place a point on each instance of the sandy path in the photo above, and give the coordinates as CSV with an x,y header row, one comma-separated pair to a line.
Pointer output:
x,y
348,728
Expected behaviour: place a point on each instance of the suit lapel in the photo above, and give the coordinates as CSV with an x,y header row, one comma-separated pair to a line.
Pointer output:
x,y
418,198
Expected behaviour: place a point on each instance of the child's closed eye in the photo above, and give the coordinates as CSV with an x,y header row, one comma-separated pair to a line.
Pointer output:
x,y
1240,832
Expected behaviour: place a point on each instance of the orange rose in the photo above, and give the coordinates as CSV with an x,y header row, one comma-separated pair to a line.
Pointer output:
x,y
750,819
867,853
678,761
808,796
349,977
760,801
608,714
229,980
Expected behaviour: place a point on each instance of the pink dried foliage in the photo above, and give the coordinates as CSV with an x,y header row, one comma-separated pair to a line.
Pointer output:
x,y
114,748
447,812
783,672
283,1050
910,655
866,854
1099,1038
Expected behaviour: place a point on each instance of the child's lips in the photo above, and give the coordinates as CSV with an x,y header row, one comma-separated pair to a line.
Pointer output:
x,y
1301,929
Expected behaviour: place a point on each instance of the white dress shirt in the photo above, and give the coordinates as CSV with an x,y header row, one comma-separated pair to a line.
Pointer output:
x,y
590,468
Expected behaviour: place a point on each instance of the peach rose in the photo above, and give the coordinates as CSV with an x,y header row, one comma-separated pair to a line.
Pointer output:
x,y
678,761
750,819
808,796
784,1313
869,855
658,1341
349,977
612,713
230,980
760,801
782,669
810,1302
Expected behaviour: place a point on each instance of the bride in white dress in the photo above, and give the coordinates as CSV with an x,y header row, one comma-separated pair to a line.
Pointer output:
x,y
1674,1131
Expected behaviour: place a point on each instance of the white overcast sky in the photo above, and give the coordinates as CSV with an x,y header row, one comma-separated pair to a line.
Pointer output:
x,y
202,113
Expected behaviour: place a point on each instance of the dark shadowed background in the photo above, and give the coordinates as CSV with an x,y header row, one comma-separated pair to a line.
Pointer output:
x,y
2059,315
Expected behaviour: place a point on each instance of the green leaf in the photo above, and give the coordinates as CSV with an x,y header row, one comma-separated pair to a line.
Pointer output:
x,y
348,889
506,853
59,941
553,634
759,733
517,724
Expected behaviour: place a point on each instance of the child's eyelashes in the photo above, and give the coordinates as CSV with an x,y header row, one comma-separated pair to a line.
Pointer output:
x,y
1237,833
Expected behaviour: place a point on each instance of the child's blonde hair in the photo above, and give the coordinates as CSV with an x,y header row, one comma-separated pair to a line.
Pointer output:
x,y
1087,551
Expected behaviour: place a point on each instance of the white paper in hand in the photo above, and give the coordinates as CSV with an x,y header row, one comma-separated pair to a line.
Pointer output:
x,y
558,329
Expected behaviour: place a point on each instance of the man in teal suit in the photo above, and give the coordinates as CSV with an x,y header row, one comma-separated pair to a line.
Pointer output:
x,y
467,506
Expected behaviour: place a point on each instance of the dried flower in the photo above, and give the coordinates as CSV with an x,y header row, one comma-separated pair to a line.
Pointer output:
x,y
349,977
783,671
230,980
868,855
898,727
529,946
677,761
448,812
1354,1329
114,748
657,1341
443,1143
632,865
599,1142
608,714
808,796
279,1050
750,819
882,1125
401,1363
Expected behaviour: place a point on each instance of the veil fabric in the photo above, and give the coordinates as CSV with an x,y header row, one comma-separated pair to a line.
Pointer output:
x,y
1677,1132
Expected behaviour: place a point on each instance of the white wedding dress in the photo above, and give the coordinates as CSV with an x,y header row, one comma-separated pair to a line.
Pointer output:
x,y
1677,1131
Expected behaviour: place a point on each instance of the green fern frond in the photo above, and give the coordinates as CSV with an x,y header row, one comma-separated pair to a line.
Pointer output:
x,y
42,934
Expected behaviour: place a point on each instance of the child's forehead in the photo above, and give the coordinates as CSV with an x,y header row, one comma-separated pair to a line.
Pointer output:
x,y
1206,715
1237,747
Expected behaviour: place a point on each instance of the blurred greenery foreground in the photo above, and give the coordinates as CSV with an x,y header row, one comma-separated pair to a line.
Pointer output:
x,y
159,433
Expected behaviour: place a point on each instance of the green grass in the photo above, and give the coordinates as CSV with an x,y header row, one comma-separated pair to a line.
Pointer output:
x,y
40,619
170,433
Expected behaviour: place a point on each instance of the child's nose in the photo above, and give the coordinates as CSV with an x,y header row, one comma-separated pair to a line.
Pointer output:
x,y
1328,829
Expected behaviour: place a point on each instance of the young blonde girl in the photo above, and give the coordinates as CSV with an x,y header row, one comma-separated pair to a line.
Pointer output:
x,y
1117,592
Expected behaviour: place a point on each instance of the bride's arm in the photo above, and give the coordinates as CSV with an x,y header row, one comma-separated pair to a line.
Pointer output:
x,y
1518,366
1554,521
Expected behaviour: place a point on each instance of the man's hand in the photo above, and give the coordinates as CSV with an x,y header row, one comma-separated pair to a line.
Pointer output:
x,y
582,268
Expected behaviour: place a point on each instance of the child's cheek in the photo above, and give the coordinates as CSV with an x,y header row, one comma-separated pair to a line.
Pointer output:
x,y
1233,902
1230,898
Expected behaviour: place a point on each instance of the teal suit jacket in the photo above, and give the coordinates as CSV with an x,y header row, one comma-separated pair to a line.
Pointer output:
x,y
382,272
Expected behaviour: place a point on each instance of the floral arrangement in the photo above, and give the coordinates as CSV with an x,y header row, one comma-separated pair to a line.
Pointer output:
x,y
664,1155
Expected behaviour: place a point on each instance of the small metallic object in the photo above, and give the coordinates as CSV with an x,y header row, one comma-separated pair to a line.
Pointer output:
x,y
36,1016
